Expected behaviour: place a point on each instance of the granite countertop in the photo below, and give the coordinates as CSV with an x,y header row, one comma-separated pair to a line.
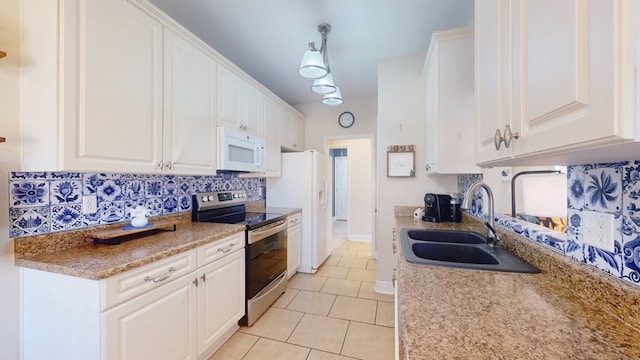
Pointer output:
x,y
568,311
96,261
284,211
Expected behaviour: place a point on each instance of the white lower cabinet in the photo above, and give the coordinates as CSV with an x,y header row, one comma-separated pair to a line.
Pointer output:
x,y
181,307
294,238
157,325
221,292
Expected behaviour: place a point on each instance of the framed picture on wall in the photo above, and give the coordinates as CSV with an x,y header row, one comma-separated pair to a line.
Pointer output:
x,y
401,164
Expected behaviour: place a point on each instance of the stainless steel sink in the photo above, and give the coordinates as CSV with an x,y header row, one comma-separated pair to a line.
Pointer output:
x,y
459,249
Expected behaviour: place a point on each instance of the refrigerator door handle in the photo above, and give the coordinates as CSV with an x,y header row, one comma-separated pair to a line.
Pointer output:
x,y
326,189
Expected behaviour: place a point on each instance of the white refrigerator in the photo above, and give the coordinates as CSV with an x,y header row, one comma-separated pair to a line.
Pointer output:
x,y
305,183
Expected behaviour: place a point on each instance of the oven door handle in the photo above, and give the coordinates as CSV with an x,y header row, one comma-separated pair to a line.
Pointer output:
x,y
266,231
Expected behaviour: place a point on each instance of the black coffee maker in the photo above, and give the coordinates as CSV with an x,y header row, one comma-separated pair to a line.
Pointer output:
x,y
441,208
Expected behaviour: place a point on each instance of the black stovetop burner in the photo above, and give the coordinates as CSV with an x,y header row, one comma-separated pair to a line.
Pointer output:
x,y
226,213
251,220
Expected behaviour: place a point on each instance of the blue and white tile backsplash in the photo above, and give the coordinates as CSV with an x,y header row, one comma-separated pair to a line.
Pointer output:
x,y
44,202
610,188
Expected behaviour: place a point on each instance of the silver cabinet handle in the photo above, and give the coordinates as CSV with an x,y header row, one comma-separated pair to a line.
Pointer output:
x,y
229,247
509,136
203,277
497,139
161,164
161,278
169,165
427,167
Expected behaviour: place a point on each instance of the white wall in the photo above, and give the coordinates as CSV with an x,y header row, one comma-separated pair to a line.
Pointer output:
x,y
322,120
9,161
360,182
401,122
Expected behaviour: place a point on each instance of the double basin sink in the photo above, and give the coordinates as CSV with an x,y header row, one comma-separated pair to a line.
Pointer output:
x,y
459,249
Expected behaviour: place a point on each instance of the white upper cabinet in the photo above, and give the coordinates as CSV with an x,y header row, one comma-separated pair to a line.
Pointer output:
x,y
253,121
449,103
229,98
492,110
239,103
104,111
559,73
189,107
292,131
117,86
134,97
272,114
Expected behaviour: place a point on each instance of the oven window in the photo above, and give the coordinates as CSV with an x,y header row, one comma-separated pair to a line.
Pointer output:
x,y
241,154
267,260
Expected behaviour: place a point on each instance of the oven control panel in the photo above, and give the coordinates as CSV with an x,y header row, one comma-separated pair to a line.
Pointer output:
x,y
212,200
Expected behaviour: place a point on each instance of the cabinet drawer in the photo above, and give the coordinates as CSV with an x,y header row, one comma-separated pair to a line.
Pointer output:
x,y
127,285
220,248
294,219
160,324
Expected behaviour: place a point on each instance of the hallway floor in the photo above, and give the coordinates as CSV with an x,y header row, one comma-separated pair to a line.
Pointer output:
x,y
333,314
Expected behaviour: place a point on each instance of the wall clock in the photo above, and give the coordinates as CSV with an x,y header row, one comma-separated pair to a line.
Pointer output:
x,y
346,119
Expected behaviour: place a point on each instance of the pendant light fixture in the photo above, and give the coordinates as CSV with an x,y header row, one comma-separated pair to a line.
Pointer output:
x,y
324,85
315,66
333,99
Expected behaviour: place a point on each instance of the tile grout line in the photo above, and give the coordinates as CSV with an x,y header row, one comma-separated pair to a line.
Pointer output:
x,y
359,289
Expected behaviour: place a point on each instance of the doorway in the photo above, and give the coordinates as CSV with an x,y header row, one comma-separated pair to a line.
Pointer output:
x,y
340,184
353,192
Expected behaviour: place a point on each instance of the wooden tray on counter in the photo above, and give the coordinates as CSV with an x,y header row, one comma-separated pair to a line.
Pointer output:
x,y
115,236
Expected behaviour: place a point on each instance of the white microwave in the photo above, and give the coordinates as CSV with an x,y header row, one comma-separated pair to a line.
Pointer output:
x,y
240,151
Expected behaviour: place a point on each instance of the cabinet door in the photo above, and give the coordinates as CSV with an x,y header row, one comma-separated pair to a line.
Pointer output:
x,y
449,103
229,98
221,299
114,123
571,73
272,112
160,324
189,115
252,110
292,131
294,237
431,111
492,77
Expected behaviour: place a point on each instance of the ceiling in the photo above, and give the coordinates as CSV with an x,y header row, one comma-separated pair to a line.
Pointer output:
x,y
266,38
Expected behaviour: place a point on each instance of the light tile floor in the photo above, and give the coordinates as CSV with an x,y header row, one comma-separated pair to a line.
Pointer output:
x,y
333,314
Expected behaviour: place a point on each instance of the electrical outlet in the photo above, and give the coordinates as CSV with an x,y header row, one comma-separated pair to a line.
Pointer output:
x,y
598,230
89,204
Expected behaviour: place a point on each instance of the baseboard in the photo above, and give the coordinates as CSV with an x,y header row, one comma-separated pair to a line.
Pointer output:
x,y
359,237
384,287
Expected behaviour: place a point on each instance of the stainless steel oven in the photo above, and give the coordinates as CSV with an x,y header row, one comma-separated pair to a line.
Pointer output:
x,y
266,267
265,251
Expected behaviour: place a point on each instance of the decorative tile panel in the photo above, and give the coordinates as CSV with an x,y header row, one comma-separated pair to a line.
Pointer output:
x,y
29,221
44,202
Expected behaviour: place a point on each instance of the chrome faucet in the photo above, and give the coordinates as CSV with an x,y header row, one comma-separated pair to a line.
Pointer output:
x,y
492,235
